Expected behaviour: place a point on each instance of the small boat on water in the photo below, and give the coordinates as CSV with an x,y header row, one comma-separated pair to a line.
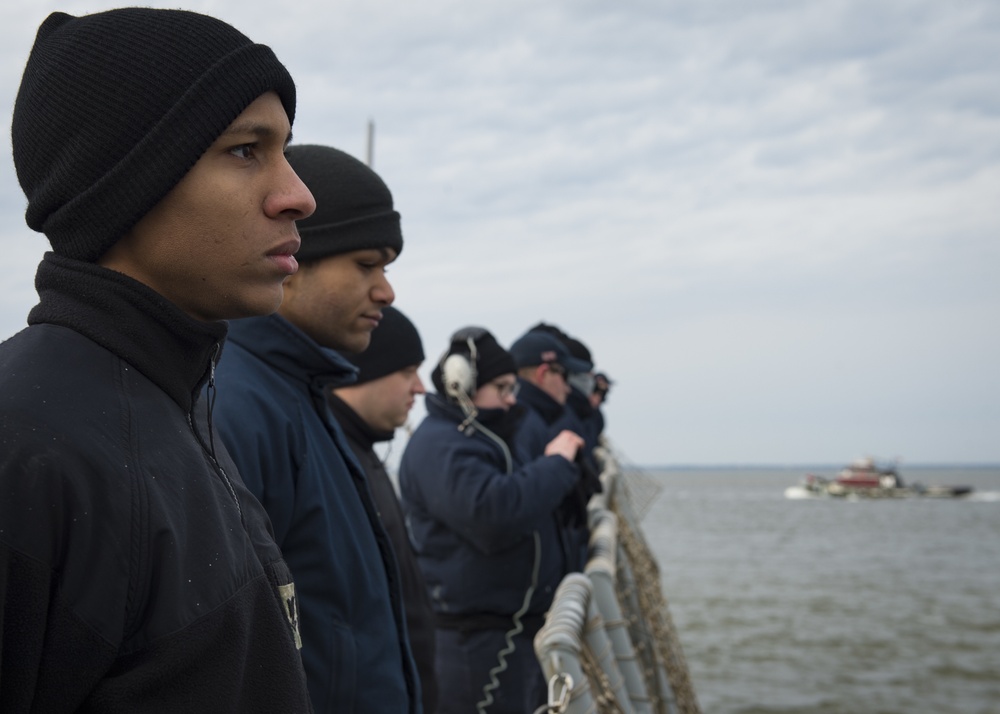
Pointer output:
x,y
864,478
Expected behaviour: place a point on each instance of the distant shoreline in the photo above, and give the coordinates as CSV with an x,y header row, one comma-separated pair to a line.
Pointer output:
x,y
799,467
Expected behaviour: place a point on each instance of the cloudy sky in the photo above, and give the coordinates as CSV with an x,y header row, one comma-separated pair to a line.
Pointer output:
x,y
776,224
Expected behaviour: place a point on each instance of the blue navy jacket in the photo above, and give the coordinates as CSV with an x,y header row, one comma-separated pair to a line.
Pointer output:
x,y
543,420
472,518
590,421
273,415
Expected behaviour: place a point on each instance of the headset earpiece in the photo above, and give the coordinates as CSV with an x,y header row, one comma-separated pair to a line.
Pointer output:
x,y
458,376
458,369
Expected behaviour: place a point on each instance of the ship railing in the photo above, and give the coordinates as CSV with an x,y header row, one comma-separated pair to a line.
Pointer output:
x,y
608,644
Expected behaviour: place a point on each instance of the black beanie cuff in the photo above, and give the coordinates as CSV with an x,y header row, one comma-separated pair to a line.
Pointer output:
x,y
366,233
89,225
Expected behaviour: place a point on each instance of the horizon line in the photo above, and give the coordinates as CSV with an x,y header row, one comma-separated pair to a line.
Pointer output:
x,y
813,465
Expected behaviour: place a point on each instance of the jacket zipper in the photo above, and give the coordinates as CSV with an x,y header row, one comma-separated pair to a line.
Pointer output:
x,y
209,449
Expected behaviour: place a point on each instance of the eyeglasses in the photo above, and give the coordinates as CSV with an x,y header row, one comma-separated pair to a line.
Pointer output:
x,y
557,369
507,389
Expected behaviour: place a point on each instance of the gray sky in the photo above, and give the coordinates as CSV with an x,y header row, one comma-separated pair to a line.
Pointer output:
x,y
775,224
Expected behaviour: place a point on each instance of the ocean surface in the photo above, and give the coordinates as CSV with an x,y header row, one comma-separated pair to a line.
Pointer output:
x,y
827,605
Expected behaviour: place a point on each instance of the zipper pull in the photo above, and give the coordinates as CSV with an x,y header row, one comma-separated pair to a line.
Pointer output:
x,y
217,349
210,397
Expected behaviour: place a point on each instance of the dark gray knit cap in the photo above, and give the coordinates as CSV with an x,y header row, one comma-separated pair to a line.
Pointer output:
x,y
116,107
353,205
395,345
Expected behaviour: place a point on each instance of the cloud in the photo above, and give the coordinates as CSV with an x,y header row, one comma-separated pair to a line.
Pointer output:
x,y
774,223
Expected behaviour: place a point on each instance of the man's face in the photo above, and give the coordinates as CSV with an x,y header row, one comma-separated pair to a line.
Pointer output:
x,y
501,393
551,379
386,402
338,300
221,243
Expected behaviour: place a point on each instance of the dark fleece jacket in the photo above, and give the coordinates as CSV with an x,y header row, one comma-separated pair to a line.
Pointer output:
x,y
137,574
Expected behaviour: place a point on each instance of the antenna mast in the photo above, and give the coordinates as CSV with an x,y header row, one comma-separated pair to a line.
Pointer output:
x,y
370,151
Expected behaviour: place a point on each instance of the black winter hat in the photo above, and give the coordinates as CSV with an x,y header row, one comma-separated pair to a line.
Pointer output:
x,y
353,205
395,345
492,360
114,109
580,351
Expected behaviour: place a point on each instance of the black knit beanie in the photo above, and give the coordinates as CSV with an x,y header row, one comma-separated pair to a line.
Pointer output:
x,y
492,360
353,205
580,351
115,108
395,345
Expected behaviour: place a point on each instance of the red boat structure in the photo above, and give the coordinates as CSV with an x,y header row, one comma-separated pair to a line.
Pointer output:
x,y
863,478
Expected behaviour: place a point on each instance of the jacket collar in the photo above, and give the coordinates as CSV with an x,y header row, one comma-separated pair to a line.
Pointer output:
x,y
534,398
355,428
132,321
288,349
442,408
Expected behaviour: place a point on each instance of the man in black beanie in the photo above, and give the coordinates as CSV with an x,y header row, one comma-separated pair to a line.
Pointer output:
x,y
137,573
273,413
483,526
370,411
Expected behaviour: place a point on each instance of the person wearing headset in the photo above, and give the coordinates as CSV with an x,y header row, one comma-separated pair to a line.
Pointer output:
x,y
482,520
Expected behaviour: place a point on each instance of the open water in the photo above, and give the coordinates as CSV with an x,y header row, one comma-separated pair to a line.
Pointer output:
x,y
831,606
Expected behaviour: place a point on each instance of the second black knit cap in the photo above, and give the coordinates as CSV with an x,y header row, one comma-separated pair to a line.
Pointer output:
x,y
395,345
116,107
353,205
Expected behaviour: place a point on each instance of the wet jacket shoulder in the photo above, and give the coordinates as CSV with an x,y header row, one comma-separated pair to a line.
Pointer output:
x,y
273,415
136,572
473,517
